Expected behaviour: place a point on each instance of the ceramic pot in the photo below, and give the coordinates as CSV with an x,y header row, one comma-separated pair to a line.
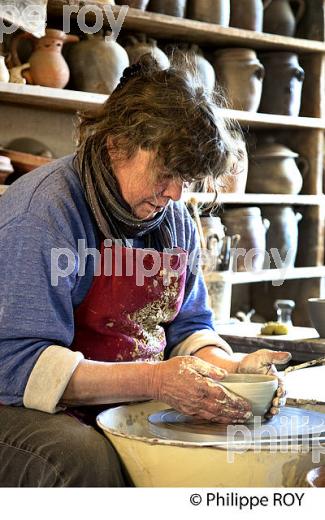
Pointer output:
x,y
248,223
213,231
273,168
247,14
16,75
282,236
47,65
6,168
171,7
97,65
241,74
140,45
210,11
279,18
316,310
283,83
4,73
204,69
235,179
136,4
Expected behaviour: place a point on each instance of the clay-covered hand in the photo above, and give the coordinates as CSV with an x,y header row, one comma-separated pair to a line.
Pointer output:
x,y
191,386
263,362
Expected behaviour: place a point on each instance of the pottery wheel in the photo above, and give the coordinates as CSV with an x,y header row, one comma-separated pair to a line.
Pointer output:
x,y
291,425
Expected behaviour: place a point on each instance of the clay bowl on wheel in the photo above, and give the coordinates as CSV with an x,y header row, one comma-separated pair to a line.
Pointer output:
x,y
258,389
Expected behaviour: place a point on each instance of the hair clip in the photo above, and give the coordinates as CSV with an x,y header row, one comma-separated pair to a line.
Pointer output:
x,y
130,72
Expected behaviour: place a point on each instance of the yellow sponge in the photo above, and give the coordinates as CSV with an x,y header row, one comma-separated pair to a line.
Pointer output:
x,y
273,328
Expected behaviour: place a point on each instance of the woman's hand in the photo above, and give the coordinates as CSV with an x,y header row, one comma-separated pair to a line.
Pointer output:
x,y
190,385
263,362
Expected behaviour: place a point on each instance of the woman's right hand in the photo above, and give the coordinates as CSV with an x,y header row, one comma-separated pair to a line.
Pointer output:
x,y
191,386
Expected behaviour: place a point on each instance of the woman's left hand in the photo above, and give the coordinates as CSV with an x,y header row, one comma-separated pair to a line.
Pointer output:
x,y
263,362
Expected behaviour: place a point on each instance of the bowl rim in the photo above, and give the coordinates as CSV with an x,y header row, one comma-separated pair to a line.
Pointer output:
x,y
260,379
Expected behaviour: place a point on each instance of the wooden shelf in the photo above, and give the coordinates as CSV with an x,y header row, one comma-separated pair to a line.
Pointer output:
x,y
169,27
270,275
73,100
258,198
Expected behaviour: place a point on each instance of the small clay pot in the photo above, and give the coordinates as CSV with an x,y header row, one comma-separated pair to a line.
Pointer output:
x,y
139,45
135,4
279,18
283,83
248,223
241,74
247,14
171,7
282,236
210,11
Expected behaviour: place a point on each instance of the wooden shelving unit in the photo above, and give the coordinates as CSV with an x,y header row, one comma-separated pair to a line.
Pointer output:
x,y
304,134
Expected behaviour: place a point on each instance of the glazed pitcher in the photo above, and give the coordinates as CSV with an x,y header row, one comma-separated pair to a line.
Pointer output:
x,y
247,14
170,7
210,11
47,65
279,18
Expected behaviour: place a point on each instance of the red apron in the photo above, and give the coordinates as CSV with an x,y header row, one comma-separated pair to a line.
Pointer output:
x,y
136,292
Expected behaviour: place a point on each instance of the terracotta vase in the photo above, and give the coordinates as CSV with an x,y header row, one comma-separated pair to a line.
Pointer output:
x,y
140,45
171,7
282,236
273,168
279,18
47,65
210,11
241,74
97,65
283,83
136,4
4,73
248,223
247,14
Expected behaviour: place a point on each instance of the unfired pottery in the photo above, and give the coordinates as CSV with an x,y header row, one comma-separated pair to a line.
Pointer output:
x,y
282,235
273,169
247,14
97,65
139,45
283,83
241,74
136,4
210,11
4,73
279,17
248,223
16,74
47,65
171,7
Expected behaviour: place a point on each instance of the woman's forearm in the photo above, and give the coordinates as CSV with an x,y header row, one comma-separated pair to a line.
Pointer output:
x,y
218,357
105,383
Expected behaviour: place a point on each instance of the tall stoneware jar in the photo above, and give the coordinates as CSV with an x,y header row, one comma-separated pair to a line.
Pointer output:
x,y
280,18
252,228
282,237
139,45
136,4
247,14
97,65
275,168
283,84
171,7
210,11
241,74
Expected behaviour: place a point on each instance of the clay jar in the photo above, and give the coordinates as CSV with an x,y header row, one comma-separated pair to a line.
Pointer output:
x,y
279,17
210,11
97,65
136,4
248,223
273,169
247,14
282,236
47,65
241,75
283,83
171,7
140,45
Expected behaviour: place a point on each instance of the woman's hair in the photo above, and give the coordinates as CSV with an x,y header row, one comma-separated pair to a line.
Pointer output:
x,y
170,112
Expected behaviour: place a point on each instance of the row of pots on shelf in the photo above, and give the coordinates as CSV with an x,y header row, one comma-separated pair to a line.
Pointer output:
x,y
96,65
272,16
269,237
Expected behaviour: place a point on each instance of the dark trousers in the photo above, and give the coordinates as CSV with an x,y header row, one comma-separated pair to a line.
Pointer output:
x,y
43,450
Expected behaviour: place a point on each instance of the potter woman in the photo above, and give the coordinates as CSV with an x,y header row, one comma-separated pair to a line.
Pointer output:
x,y
89,318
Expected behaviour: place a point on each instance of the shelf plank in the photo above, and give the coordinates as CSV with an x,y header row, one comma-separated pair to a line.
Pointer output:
x,y
270,275
73,100
257,198
163,26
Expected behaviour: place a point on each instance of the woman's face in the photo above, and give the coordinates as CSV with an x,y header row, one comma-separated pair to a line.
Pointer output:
x,y
139,186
